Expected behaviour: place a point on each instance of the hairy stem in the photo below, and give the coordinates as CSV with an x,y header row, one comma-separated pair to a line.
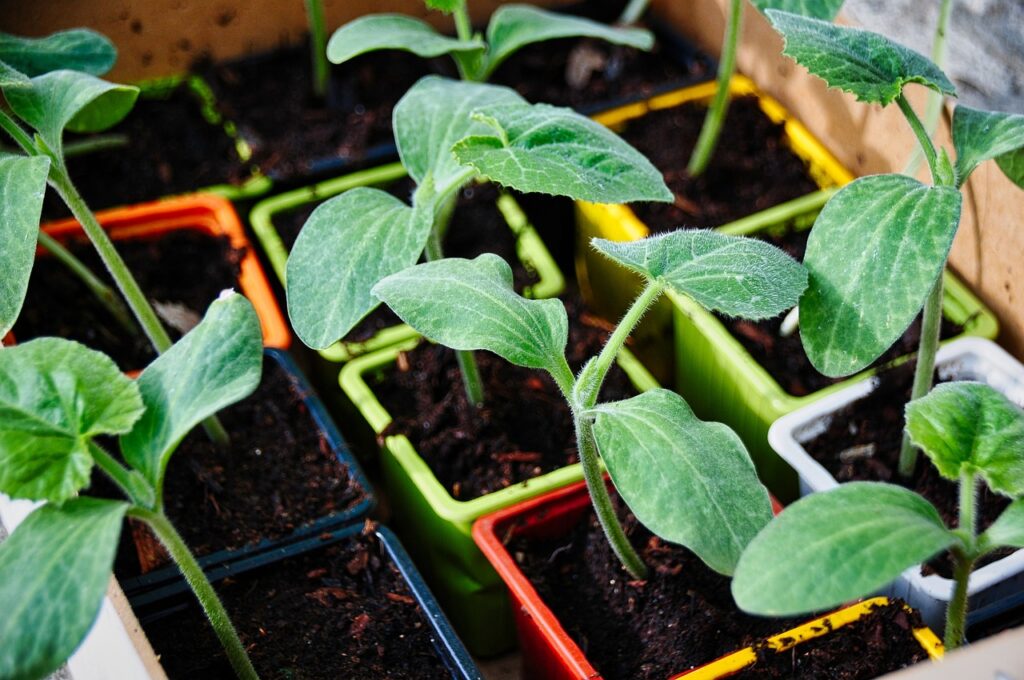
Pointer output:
x,y
318,46
204,592
929,345
96,143
634,10
708,139
20,137
968,501
130,482
923,139
956,612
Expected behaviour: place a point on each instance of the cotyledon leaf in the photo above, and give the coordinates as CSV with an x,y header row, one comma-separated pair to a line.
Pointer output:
x,y
981,135
393,32
1008,529
78,49
22,185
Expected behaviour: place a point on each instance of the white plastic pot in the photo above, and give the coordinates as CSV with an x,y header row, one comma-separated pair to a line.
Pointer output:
x,y
994,588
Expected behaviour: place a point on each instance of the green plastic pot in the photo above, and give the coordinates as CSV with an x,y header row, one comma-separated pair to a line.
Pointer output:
x,y
531,250
436,528
722,381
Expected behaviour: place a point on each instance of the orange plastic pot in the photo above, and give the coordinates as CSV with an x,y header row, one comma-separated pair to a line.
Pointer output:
x,y
204,213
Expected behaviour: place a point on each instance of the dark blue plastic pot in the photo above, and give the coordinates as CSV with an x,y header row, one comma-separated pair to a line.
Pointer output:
x,y
170,575
173,597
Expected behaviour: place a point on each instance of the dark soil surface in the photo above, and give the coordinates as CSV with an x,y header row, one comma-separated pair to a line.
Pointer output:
x,y
343,611
172,149
185,268
270,98
867,648
682,616
752,168
877,422
784,357
524,428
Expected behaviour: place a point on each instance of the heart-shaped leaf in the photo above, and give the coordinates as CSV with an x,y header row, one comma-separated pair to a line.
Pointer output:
x,y
831,547
216,364
393,32
56,568
869,66
688,481
971,427
347,245
819,9
470,305
981,135
55,395
514,26
77,50
22,185
874,254
733,275
551,150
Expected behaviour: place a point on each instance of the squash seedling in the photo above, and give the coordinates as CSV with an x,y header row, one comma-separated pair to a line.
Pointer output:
x,y
838,545
449,133
511,28
877,251
56,398
688,481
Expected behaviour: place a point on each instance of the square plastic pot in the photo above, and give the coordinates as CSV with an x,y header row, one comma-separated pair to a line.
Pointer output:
x,y
447,644
531,250
994,588
437,527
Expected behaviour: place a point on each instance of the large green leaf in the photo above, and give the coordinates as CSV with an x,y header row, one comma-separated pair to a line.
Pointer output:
x,y
971,427
22,185
1008,529
470,304
688,481
819,9
393,32
347,245
216,364
867,65
831,547
432,116
77,50
737,276
1012,165
514,26
981,135
551,150
873,255
70,100
54,396
55,568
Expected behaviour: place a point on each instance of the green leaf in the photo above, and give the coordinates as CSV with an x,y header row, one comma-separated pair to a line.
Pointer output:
x,y
216,364
551,150
56,567
393,32
54,396
819,9
831,547
981,135
77,50
512,27
869,66
971,427
12,77
873,255
432,116
72,100
347,245
22,185
737,276
1008,529
1012,165
470,305
688,481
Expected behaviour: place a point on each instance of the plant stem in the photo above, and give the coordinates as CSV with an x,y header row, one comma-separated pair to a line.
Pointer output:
x,y
94,144
956,612
20,137
318,46
104,293
602,500
133,485
204,592
923,139
708,139
929,345
935,99
463,26
968,498
634,10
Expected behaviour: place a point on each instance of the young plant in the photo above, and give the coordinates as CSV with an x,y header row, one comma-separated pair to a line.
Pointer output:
x,y
877,251
835,546
688,481
448,134
511,28
57,398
